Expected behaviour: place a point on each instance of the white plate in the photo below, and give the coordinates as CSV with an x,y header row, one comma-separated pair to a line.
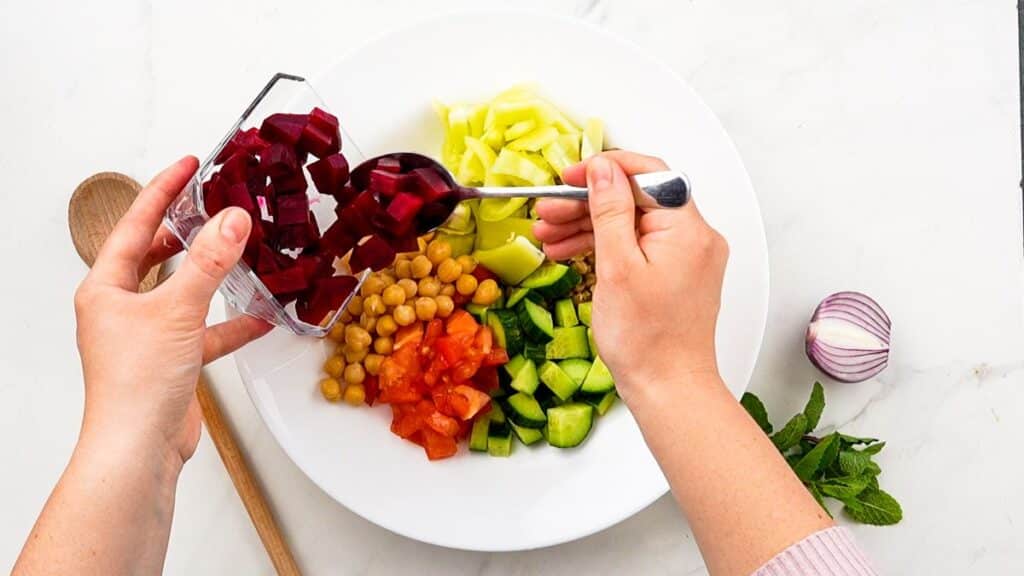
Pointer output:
x,y
540,496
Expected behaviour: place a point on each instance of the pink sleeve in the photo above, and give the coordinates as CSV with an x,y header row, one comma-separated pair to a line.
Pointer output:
x,y
829,552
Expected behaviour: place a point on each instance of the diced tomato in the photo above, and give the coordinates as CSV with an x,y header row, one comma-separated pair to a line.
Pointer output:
x,y
411,334
406,420
443,424
484,340
466,368
481,274
465,428
372,390
475,400
496,357
437,445
435,329
486,378
450,349
461,323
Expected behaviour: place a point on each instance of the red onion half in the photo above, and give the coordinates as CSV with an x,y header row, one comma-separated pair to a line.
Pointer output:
x,y
848,337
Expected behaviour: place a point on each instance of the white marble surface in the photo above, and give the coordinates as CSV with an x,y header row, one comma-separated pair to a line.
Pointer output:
x,y
882,138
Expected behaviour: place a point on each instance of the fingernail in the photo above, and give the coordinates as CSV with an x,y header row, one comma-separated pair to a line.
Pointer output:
x,y
235,224
599,172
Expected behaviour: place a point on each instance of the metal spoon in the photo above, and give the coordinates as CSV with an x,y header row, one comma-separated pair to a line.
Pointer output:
x,y
95,207
665,189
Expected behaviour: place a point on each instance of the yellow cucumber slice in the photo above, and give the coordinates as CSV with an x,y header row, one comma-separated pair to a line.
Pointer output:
x,y
519,129
477,114
593,138
512,163
534,140
495,209
511,262
571,144
482,151
471,170
493,234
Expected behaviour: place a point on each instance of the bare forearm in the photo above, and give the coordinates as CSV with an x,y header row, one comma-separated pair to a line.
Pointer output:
x,y
741,498
109,514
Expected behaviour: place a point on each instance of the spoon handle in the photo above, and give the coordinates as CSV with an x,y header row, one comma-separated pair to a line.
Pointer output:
x,y
666,189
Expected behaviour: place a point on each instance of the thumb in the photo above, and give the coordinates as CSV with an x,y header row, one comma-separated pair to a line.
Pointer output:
x,y
613,213
213,253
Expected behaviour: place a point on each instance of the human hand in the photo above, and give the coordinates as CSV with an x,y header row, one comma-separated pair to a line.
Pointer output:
x,y
141,353
659,272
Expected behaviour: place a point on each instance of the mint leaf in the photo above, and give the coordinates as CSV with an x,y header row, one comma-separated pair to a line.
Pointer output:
x,y
815,406
854,440
844,488
874,448
853,462
873,483
791,433
753,405
873,469
813,489
819,458
875,507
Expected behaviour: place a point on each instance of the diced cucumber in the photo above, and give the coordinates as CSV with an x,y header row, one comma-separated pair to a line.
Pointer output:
x,y
546,398
569,424
527,436
599,379
576,368
526,379
558,381
525,411
568,343
565,313
514,364
537,298
552,280
505,326
592,342
584,311
601,402
515,296
479,311
500,444
535,351
478,437
497,415
535,322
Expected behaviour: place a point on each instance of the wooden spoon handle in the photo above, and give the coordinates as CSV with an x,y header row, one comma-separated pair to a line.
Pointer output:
x,y
245,484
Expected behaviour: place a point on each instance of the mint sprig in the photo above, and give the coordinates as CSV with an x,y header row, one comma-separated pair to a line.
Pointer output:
x,y
835,466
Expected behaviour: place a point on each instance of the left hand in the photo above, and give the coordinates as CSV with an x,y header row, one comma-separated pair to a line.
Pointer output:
x,y
141,353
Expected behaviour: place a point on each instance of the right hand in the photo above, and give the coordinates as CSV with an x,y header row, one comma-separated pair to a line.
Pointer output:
x,y
659,273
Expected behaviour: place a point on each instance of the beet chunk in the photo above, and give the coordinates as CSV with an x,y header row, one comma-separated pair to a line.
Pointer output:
x,y
286,281
239,167
291,210
330,173
238,195
291,183
243,140
374,253
387,184
214,199
328,294
388,165
283,128
337,240
429,184
403,209
279,161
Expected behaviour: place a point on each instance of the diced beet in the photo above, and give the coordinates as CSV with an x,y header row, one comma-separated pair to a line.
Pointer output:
x,y
283,128
239,167
429,184
279,160
320,140
366,204
238,195
294,237
286,281
250,258
253,245
387,184
323,118
388,165
214,199
291,210
374,253
354,222
337,240
257,181
247,140
291,183
403,208
345,196
267,262
309,263
326,295
329,174
433,215
406,242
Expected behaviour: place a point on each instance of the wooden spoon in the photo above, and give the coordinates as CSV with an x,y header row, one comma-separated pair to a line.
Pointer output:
x,y
95,207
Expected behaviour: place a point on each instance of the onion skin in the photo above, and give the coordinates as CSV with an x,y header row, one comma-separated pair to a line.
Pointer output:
x,y
863,317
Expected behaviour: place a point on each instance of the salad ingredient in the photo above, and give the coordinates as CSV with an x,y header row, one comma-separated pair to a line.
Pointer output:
x,y
526,379
568,342
557,381
835,466
599,379
535,321
565,314
552,280
528,436
585,311
493,234
848,337
331,389
511,262
593,138
576,368
525,411
569,424
499,440
497,209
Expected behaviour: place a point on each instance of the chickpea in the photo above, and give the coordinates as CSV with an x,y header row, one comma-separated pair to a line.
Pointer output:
x,y
334,366
449,270
372,285
445,305
355,305
426,308
355,395
386,326
372,363
383,345
337,332
357,337
393,295
354,374
466,284
344,318
388,278
409,286
421,266
438,251
403,268
467,262
374,305
404,315
487,293
367,322
355,355
429,286
448,289
331,389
